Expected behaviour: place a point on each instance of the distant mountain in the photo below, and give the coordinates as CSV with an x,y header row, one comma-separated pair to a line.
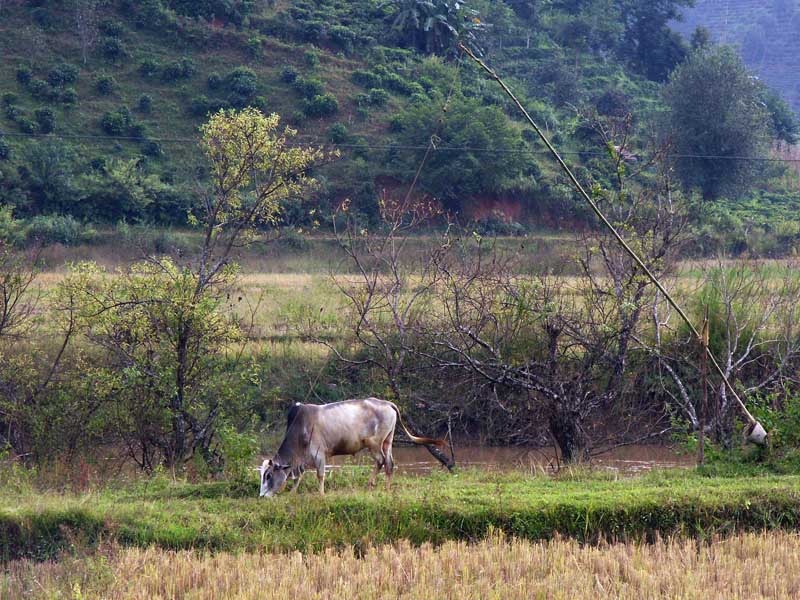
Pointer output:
x,y
767,32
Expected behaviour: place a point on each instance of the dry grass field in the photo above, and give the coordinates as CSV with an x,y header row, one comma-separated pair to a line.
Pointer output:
x,y
748,566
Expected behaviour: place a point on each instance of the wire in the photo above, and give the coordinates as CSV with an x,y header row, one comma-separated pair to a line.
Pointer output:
x,y
503,151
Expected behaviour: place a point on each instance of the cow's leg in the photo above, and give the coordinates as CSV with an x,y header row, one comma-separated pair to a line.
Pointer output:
x,y
321,477
297,483
377,455
388,460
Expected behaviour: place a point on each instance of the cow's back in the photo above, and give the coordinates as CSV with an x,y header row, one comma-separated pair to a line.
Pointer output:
x,y
344,427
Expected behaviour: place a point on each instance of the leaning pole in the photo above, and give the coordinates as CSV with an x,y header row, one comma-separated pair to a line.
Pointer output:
x,y
755,432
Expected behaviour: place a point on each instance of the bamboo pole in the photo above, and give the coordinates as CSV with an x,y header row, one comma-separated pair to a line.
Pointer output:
x,y
756,432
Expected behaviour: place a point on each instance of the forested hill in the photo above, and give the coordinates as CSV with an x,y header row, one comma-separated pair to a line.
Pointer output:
x,y
102,99
766,31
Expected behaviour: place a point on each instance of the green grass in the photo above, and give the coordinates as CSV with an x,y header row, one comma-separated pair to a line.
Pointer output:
x,y
440,507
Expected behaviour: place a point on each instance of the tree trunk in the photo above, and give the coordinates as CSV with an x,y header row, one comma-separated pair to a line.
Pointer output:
x,y
565,427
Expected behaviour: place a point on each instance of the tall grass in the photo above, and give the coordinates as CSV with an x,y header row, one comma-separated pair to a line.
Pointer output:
x,y
758,565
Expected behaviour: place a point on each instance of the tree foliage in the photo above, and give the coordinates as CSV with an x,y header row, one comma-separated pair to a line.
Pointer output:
x,y
717,121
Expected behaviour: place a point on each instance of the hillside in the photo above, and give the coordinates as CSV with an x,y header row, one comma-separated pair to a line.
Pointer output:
x,y
101,101
766,32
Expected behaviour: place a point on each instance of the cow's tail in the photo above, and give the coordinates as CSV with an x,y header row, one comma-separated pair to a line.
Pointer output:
x,y
417,440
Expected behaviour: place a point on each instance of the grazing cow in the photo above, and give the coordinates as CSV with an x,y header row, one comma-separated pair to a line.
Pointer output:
x,y
314,433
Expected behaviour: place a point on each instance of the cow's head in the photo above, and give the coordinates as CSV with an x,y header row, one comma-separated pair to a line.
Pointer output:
x,y
273,477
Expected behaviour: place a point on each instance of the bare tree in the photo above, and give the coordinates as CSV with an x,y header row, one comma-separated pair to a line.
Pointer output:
x,y
86,19
562,343
753,323
391,291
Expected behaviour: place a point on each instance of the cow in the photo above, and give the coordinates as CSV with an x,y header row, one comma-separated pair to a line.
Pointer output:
x,y
314,433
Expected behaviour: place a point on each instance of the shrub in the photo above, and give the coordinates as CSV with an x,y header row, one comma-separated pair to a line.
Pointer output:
x,y
105,85
288,74
254,47
309,88
13,112
343,37
63,74
338,134
149,68
46,119
152,148
324,105
180,69
378,97
112,48
260,102
298,117
27,125
214,81
69,96
40,89
366,79
311,58
111,27
5,150
24,75
10,98
57,229
145,103
242,82
117,122
394,82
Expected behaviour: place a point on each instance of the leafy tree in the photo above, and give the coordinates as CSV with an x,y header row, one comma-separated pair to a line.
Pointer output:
x,y
433,26
648,42
716,117
784,121
163,323
490,163
48,175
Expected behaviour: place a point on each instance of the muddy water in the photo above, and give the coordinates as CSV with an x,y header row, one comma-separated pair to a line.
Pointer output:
x,y
627,460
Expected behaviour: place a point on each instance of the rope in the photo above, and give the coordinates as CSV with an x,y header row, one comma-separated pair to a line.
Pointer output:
x,y
611,228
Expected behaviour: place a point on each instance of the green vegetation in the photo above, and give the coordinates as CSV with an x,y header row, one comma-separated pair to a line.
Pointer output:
x,y
138,78
436,508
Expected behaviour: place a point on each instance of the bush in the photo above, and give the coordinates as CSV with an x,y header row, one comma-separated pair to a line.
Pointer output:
x,y
152,149
181,69
5,150
397,84
145,103
111,28
56,229
343,37
378,97
309,88
24,75
13,112
338,134
27,125
242,82
311,58
288,74
366,79
9,98
62,75
324,105
214,81
69,96
40,89
46,119
105,84
112,48
149,68
120,122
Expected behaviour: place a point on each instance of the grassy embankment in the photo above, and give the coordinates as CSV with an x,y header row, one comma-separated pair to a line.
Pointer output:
x,y
436,508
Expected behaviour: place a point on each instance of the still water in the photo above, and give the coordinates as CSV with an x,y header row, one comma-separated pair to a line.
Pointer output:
x,y
627,460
